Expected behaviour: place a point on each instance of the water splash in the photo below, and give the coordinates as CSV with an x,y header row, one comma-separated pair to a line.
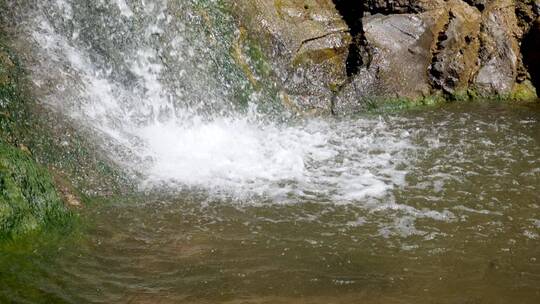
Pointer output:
x,y
146,84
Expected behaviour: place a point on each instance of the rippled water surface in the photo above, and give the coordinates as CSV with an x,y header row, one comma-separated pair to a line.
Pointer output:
x,y
248,203
460,224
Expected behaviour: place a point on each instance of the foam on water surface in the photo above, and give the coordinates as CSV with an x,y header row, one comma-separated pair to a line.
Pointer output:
x,y
412,207
308,160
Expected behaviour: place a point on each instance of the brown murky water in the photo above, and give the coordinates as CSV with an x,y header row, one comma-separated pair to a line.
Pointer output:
x,y
463,228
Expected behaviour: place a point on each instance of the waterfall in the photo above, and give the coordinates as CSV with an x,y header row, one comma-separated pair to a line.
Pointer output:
x,y
156,82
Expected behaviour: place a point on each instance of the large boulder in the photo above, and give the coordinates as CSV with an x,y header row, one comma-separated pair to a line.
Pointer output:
x,y
307,43
399,47
410,49
500,53
455,54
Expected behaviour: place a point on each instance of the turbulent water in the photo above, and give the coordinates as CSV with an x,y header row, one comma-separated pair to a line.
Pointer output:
x,y
152,79
257,205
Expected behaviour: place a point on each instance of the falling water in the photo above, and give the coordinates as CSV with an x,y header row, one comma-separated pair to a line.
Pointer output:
x,y
437,205
145,76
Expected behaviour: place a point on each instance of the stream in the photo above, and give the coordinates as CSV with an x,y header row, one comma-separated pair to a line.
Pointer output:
x,y
242,202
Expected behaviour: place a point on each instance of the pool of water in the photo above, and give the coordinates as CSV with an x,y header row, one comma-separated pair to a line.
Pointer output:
x,y
463,226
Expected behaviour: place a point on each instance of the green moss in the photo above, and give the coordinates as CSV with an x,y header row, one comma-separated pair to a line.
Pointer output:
x,y
49,135
28,199
463,95
392,104
524,91
258,60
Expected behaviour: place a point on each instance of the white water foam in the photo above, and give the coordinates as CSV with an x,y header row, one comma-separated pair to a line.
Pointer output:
x,y
237,155
344,162
125,10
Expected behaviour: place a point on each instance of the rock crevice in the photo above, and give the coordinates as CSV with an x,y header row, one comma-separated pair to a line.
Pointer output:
x,y
530,49
352,12
434,70
357,53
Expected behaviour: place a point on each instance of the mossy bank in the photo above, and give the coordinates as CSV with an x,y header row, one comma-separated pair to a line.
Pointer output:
x,y
29,201
45,162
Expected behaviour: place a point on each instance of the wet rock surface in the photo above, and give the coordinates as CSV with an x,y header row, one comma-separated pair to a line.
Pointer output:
x,y
397,49
400,6
394,41
455,53
500,49
306,42
28,199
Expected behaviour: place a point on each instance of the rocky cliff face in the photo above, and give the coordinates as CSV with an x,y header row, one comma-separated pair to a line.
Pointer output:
x,y
307,43
346,55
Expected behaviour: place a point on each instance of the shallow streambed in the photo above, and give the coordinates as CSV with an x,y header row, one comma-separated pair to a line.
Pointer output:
x,y
463,227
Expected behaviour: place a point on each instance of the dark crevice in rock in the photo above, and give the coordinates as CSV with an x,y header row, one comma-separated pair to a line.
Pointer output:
x,y
352,12
316,38
525,14
435,69
387,7
479,4
530,48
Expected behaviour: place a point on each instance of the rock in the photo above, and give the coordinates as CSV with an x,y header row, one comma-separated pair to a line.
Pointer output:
x,y
397,41
306,42
411,49
401,6
400,56
525,13
479,4
500,51
28,199
6,67
66,190
455,53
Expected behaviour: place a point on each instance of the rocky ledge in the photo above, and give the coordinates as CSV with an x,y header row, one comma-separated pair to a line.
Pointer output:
x,y
343,56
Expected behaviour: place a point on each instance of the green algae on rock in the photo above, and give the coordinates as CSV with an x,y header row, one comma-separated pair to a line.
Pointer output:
x,y
28,199
53,139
